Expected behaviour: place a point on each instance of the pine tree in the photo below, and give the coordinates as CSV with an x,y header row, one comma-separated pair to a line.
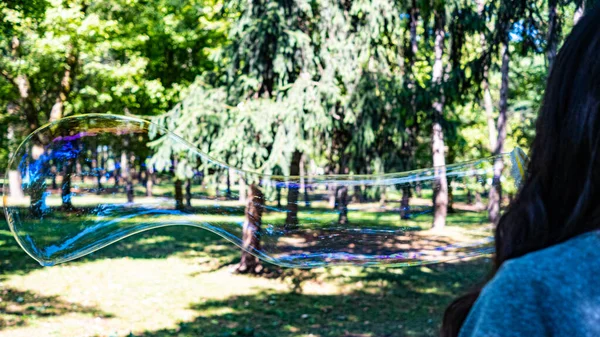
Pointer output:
x,y
440,188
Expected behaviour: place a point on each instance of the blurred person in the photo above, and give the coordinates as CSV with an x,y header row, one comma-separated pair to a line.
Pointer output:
x,y
547,260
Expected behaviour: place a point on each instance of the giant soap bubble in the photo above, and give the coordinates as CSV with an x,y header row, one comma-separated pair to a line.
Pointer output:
x,y
85,185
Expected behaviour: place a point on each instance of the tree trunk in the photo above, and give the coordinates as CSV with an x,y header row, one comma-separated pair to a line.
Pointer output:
x,y
489,109
487,95
66,185
342,204
408,146
65,86
478,198
54,174
149,180
200,175
278,195
382,196
126,175
405,203
251,232
79,169
440,187
228,190
24,87
95,169
478,201
242,187
22,83
36,188
305,181
414,19
217,185
188,191
139,172
414,49
79,164
552,33
117,172
291,220
357,196
178,194
495,194
15,185
331,194
67,79
469,197
103,162
306,197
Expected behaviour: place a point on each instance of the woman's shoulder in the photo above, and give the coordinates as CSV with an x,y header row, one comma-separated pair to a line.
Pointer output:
x,y
551,290
579,253
541,276
530,294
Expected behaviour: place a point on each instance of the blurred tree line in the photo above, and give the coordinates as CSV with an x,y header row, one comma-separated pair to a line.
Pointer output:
x,y
60,58
354,86
363,87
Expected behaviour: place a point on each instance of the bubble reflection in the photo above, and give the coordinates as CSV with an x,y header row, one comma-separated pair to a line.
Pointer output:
x,y
85,182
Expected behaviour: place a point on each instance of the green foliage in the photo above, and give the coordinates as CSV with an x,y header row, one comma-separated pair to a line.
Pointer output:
x,y
121,57
300,75
257,80
332,80
195,295
263,103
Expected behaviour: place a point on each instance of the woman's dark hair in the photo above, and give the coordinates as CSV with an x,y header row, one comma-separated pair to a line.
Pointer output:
x,y
560,197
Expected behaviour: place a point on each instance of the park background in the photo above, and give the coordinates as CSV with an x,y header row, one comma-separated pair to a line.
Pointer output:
x,y
350,87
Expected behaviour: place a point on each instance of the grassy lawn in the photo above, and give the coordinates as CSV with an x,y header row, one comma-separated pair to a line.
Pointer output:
x,y
177,281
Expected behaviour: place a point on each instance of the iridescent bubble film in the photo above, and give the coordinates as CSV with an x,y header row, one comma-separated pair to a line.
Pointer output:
x,y
86,182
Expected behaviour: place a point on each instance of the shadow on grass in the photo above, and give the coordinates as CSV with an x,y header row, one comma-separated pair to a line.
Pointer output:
x,y
13,260
185,241
17,308
163,242
382,301
192,242
408,302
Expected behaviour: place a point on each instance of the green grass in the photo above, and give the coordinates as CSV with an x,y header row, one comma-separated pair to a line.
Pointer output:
x,y
177,281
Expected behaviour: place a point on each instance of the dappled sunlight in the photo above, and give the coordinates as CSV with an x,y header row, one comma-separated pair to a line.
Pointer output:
x,y
19,307
164,288
175,276
371,306
370,219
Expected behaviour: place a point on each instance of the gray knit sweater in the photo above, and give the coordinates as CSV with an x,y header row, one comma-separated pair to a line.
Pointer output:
x,y
551,292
